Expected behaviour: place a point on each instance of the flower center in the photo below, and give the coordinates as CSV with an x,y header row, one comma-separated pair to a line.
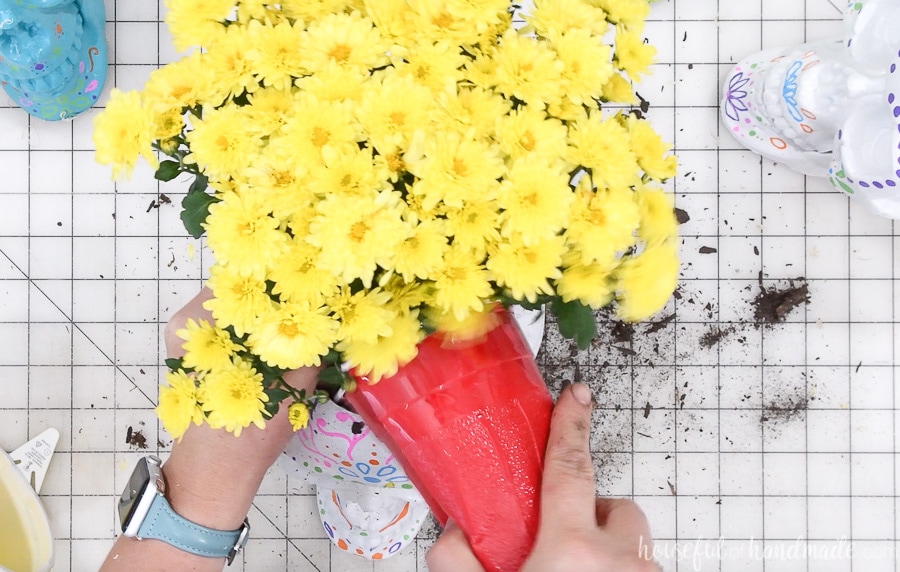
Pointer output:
x,y
320,137
358,231
340,53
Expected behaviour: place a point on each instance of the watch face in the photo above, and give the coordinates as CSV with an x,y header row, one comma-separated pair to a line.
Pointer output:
x,y
134,490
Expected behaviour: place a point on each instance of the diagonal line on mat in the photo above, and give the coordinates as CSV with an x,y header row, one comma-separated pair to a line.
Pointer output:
x,y
291,542
74,325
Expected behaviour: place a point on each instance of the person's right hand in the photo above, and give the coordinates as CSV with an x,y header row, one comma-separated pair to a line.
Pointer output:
x,y
577,530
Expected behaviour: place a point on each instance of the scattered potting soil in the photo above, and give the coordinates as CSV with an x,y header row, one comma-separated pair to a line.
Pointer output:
x,y
772,304
135,438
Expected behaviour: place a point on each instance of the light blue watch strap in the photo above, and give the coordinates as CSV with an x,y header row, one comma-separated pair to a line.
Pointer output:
x,y
163,524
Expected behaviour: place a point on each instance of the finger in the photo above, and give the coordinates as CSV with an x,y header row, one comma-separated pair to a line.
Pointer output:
x,y
193,309
626,524
451,553
567,491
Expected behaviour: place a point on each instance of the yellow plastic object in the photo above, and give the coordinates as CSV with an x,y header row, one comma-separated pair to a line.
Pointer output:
x,y
25,541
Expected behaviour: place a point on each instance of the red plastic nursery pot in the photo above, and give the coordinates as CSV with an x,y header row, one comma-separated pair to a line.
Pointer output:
x,y
469,423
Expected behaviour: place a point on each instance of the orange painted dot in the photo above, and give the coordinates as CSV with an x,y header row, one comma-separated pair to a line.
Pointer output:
x,y
806,128
359,551
778,143
809,114
342,544
373,462
345,463
335,455
377,556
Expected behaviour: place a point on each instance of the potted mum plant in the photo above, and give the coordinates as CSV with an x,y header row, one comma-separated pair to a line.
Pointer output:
x,y
378,180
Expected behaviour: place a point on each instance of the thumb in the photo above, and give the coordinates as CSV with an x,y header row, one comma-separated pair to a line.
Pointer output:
x,y
567,491
451,553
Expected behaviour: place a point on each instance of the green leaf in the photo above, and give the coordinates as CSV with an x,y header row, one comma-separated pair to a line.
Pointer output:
x,y
175,363
167,170
576,321
277,395
195,209
331,377
200,184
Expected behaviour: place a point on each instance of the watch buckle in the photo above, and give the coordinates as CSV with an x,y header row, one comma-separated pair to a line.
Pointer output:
x,y
240,543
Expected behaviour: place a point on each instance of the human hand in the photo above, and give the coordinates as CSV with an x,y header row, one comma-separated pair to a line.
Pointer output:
x,y
608,535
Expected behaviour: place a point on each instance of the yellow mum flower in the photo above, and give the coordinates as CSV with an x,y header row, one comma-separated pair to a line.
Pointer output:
x,y
336,83
237,300
347,170
454,169
535,198
632,12
527,130
364,316
650,150
316,125
313,9
269,110
220,142
405,296
233,397
277,56
434,65
178,406
618,90
277,180
474,225
298,278
348,40
551,17
124,131
357,234
183,83
590,284
586,64
242,234
435,20
472,111
231,64
461,283
196,22
470,328
383,357
419,254
526,269
644,282
632,55
393,18
292,335
167,123
658,221
206,346
298,415
527,70
602,224
392,110
603,146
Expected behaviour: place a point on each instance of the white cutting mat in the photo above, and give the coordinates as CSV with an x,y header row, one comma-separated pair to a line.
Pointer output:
x,y
748,447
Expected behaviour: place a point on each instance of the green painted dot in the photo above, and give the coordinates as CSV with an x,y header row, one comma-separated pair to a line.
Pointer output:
x,y
363,534
322,511
305,464
405,537
406,486
753,66
753,133
318,469
338,477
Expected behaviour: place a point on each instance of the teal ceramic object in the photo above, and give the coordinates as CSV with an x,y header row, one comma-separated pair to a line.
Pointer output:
x,y
53,55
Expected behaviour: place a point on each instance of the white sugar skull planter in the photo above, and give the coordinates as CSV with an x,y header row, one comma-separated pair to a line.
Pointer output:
x,y
365,500
829,109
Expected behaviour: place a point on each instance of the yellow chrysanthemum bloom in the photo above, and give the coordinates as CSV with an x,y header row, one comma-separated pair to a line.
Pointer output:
x,y
364,316
527,130
243,235
277,180
586,64
233,397
526,269
434,20
644,282
650,150
336,83
196,22
435,65
220,143
462,283
167,123
632,55
276,57
183,83
357,234
393,18
348,40
269,110
392,110
590,284
178,406
298,415
347,170
619,90
602,145
298,278
474,225
237,300
383,357
315,125
405,296
602,224
292,335
206,346
472,111
527,70
454,169
419,254
535,198
658,221
557,16
123,132
470,328
314,9
624,11
230,63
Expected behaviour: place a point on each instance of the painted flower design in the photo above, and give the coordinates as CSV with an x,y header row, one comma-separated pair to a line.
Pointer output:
x,y
371,475
734,96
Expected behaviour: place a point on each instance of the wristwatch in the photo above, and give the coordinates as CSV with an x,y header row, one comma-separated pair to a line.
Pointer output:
x,y
145,513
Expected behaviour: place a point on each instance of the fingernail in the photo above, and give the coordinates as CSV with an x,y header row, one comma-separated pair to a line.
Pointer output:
x,y
582,393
